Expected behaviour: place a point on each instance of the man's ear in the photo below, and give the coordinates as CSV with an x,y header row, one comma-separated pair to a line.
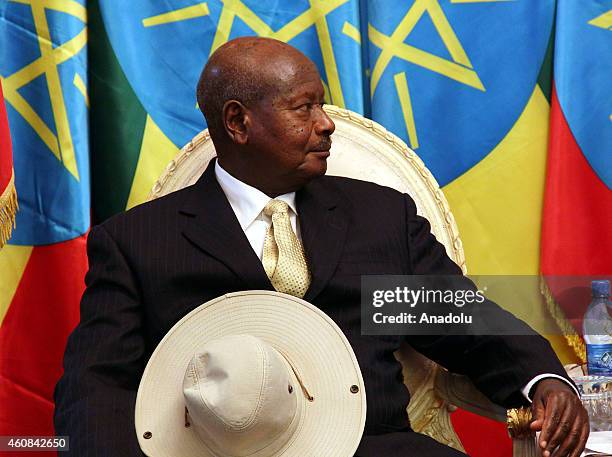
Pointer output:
x,y
234,121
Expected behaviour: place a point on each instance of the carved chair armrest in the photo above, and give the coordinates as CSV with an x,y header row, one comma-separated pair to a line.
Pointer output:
x,y
459,391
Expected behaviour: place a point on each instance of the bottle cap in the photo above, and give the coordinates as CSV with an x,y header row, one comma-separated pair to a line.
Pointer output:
x,y
600,288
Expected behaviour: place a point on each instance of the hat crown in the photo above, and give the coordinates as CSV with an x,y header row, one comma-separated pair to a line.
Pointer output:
x,y
238,395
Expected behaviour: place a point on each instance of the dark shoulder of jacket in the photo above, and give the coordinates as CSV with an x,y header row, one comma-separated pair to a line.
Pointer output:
x,y
361,193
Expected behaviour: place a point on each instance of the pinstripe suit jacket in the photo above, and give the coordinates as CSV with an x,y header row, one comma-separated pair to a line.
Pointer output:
x,y
153,264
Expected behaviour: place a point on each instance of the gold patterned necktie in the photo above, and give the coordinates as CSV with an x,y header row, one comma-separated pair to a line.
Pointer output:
x,y
283,255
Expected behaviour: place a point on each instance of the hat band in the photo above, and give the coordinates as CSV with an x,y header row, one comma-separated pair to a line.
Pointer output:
x,y
297,376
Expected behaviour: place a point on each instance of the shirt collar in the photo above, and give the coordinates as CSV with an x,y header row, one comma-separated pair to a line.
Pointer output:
x,y
247,201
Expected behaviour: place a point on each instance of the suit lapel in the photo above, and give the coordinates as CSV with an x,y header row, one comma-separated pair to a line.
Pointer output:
x,y
323,226
212,226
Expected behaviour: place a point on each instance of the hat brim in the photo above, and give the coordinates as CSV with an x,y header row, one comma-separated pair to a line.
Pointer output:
x,y
330,425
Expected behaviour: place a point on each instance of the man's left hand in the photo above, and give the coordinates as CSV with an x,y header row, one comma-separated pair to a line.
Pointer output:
x,y
559,415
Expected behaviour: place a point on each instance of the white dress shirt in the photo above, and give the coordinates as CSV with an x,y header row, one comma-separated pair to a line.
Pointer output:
x,y
248,204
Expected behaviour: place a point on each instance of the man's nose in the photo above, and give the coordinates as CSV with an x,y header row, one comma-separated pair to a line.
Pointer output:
x,y
324,126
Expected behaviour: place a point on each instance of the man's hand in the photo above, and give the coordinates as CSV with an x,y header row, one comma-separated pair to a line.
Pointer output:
x,y
563,421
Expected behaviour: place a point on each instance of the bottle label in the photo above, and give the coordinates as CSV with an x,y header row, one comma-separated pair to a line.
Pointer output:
x,y
599,359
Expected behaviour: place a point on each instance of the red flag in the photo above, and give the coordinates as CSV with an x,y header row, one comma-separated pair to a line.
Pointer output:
x,y
8,196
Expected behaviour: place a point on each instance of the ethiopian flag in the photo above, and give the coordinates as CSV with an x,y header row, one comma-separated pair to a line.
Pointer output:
x,y
43,65
576,229
146,61
467,85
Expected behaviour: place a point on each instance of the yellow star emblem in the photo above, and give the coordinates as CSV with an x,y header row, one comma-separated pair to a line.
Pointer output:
x,y
459,68
61,145
232,9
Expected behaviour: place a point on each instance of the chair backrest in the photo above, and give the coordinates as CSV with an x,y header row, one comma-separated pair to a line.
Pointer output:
x,y
362,149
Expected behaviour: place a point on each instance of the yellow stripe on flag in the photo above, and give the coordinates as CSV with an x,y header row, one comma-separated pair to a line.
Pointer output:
x,y
351,31
181,14
81,87
401,85
156,151
65,6
480,1
320,9
13,261
498,207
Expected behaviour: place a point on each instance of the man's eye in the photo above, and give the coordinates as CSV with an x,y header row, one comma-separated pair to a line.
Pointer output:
x,y
305,107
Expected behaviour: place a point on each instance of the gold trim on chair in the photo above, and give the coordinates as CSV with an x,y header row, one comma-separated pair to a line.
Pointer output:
x,y
571,336
518,423
523,438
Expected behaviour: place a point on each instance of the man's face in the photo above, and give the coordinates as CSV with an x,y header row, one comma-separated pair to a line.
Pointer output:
x,y
289,133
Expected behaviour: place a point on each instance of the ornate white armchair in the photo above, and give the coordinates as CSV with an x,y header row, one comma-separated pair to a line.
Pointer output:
x,y
363,149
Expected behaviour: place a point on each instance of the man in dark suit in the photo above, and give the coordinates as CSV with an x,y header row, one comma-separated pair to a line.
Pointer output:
x,y
152,265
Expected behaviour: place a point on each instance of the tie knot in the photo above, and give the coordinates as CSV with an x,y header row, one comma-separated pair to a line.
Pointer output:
x,y
274,207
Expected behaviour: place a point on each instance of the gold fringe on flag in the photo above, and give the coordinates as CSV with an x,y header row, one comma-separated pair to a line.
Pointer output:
x,y
8,209
571,336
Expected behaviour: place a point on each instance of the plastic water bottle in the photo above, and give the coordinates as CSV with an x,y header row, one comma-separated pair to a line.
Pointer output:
x,y
597,330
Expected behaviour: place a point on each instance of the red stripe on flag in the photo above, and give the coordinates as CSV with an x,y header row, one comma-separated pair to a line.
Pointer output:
x,y
481,437
576,229
33,335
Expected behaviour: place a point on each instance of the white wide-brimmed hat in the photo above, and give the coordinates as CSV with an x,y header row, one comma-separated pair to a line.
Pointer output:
x,y
257,374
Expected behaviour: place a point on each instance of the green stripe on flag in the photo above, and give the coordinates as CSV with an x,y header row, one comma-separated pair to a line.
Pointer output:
x,y
117,123
546,70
